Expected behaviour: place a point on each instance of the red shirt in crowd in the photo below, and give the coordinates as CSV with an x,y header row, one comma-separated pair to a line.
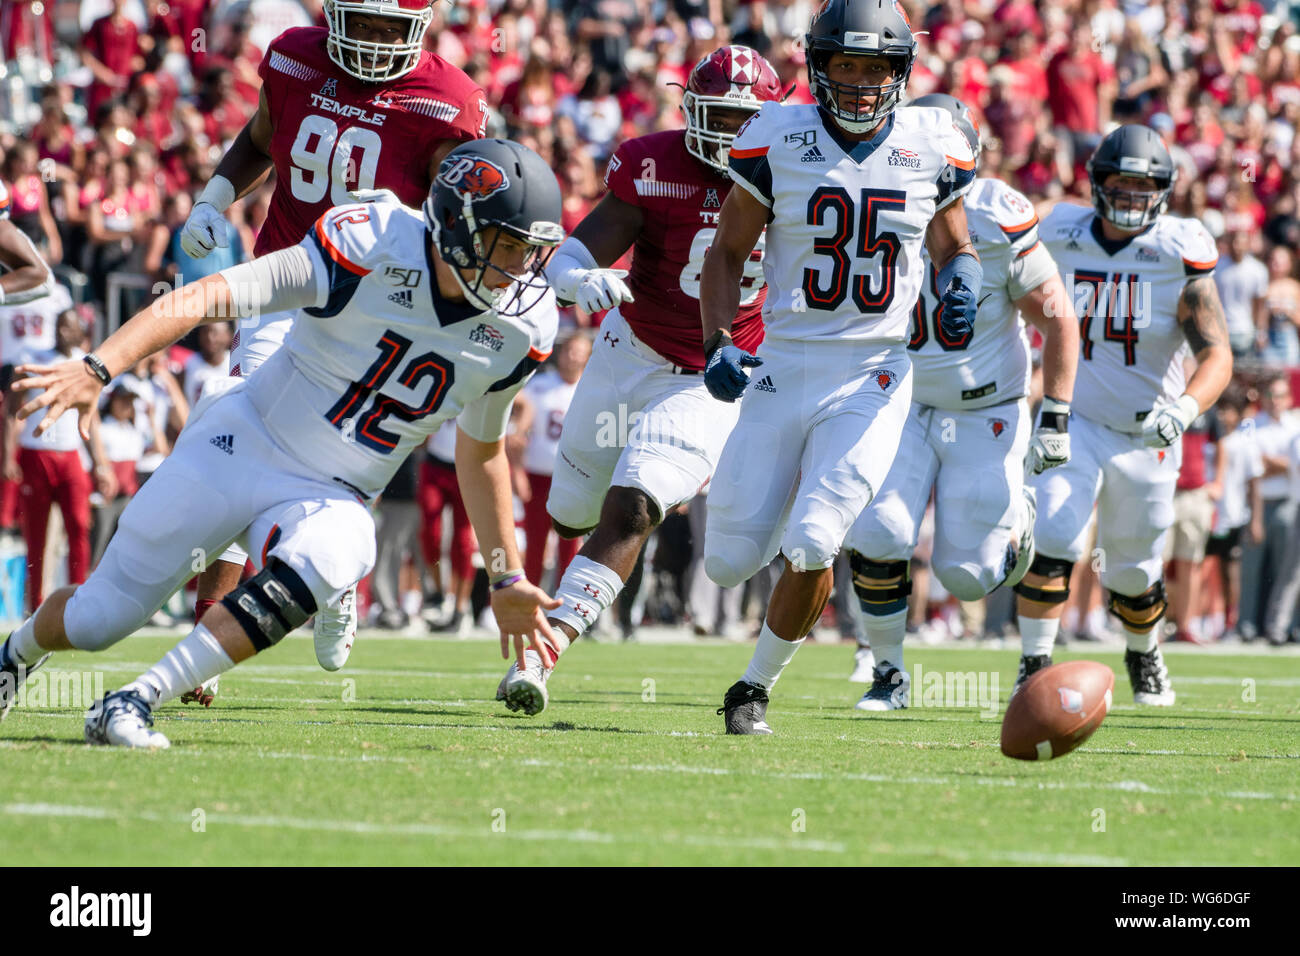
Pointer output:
x,y
115,44
1072,83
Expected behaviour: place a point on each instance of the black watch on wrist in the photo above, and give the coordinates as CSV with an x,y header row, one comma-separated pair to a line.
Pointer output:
x,y
714,343
96,365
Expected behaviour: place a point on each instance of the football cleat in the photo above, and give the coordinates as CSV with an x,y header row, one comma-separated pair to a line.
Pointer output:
x,y
204,694
1150,678
123,719
890,690
12,676
864,662
1025,548
526,690
745,709
1029,665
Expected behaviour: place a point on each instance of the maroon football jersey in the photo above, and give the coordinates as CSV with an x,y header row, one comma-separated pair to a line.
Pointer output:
x,y
681,199
333,132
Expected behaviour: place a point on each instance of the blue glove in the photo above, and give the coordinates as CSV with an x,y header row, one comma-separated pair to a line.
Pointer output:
x,y
960,281
724,375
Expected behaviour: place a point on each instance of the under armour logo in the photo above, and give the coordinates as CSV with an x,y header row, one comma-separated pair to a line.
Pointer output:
x,y
586,614
592,591
612,340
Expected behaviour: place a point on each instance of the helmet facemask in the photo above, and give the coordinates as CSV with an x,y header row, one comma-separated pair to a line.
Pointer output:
x,y
375,62
707,145
522,290
1140,209
828,92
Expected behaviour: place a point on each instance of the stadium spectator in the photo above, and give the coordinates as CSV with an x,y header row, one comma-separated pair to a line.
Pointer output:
x,y
1081,89
29,201
124,445
1239,515
439,489
111,50
397,539
1243,286
1194,503
50,470
1275,426
1282,303
212,360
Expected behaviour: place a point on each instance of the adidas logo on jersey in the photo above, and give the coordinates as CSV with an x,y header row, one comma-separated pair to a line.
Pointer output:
x,y
403,298
813,155
765,384
225,442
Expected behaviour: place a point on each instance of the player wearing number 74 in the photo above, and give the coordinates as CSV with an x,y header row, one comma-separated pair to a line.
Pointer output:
x,y
273,463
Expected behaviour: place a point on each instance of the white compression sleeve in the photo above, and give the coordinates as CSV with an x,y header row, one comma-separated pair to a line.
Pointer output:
x,y
286,279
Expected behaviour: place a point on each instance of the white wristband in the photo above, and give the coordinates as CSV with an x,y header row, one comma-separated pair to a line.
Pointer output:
x,y
1052,405
219,193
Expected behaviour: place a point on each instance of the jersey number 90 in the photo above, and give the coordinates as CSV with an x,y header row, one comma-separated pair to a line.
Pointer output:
x,y
325,160
827,291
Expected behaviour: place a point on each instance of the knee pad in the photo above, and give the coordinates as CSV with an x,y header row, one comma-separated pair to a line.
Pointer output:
x,y
732,564
961,582
270,604
1048,568
882,587
1140,613
809,547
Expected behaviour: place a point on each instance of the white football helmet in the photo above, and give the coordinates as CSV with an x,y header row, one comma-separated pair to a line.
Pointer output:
x,y
377,62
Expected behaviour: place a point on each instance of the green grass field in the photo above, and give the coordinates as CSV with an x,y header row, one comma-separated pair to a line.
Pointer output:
x,y
403,758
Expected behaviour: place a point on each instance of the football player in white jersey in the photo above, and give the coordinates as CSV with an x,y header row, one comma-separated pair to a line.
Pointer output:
x,y
848,189
1141,282
404,321
968,431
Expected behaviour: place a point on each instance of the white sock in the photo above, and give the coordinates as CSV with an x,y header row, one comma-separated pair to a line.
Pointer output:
x,y
770,657
886,634
194,660
22,645
1038,635
586,589
1142,643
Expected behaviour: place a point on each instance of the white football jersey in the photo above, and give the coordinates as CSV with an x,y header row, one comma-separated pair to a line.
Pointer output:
x,y
29,326
381,359
551,396
1126,294
843,253
989,365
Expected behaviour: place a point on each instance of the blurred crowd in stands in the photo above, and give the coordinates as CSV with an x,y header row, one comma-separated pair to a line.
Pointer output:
x,y
113,114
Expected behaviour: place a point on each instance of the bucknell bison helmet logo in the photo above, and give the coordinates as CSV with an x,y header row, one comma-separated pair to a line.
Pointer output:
x,y
472,177
884,378
998,426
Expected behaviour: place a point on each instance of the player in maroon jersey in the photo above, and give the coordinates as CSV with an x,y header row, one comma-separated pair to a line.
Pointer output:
x,y
641,436
351,107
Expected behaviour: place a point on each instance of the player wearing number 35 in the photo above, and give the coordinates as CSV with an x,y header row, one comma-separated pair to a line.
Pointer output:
x,y
401,320
849,189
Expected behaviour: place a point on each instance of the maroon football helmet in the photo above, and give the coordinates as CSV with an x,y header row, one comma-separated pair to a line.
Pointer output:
x,y
729,78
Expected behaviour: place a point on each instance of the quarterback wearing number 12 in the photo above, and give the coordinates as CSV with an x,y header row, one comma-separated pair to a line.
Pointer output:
x,y
356,105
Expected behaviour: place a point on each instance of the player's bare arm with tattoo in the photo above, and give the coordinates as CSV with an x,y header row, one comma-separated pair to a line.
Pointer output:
x,y
1200,314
